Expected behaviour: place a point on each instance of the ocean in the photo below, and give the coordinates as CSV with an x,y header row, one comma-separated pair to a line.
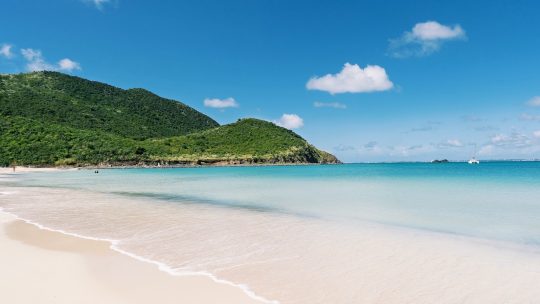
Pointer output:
x,y
353,233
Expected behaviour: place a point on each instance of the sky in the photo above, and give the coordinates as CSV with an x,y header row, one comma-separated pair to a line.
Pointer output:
x,y
365,80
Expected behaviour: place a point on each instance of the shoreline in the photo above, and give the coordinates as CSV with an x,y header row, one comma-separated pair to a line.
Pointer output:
x,y
431,265
50,243
29,169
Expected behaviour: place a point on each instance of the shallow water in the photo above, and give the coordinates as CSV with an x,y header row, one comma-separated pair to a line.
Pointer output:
x,y
312,234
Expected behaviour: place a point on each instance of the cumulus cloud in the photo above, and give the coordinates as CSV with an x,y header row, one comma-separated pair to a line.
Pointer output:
x,y
433,30
352,79
69,65
290,121
220,103
424,39
534,102
335,105
5,50
36,62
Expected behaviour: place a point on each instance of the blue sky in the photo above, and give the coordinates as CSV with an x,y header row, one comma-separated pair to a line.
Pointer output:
x,y
365,80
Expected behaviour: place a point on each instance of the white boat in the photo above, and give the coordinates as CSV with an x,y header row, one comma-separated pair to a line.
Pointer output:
x,y
474,161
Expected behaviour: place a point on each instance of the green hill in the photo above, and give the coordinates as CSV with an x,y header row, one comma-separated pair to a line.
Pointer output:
x,y
246,141
72,101
50,119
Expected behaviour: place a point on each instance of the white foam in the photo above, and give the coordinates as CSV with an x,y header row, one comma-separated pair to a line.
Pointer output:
x,y
161,266
7,193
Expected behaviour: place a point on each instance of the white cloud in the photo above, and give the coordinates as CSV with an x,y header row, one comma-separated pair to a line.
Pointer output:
x,y
335,105
220,103
514,144
31,54
352,79
69,65
290,121
36,62
514,140
534,102
5,50
433,30
424,39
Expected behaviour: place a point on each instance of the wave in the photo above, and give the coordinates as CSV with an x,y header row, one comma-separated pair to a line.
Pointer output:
x,y
115,245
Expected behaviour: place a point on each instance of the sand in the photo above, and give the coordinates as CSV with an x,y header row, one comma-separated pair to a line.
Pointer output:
x,y
18,169
41,266
383,264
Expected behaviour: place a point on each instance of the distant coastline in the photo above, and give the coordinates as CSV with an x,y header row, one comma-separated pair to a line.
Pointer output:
x,y
152,166
45,168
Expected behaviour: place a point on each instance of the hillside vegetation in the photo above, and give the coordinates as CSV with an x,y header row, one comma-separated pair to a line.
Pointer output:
x,y
50,119
54,97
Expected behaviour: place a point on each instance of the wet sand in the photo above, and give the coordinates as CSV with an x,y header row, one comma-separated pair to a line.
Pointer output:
x,y
41,266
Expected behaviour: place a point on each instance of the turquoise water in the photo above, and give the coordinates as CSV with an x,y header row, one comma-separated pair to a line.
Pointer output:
x,y
493,200
355,233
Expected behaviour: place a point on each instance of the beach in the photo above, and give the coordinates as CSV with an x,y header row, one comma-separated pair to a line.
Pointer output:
x,y
114,243
269,152
41,266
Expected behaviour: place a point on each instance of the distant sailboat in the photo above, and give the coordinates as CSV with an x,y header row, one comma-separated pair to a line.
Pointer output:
x,y
473,160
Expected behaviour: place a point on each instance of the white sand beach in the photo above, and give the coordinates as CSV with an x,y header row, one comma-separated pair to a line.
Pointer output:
x,y
21,169
285,258
41,266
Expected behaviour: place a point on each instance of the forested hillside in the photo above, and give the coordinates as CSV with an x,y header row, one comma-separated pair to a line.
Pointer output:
x,y
52,119
54,97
